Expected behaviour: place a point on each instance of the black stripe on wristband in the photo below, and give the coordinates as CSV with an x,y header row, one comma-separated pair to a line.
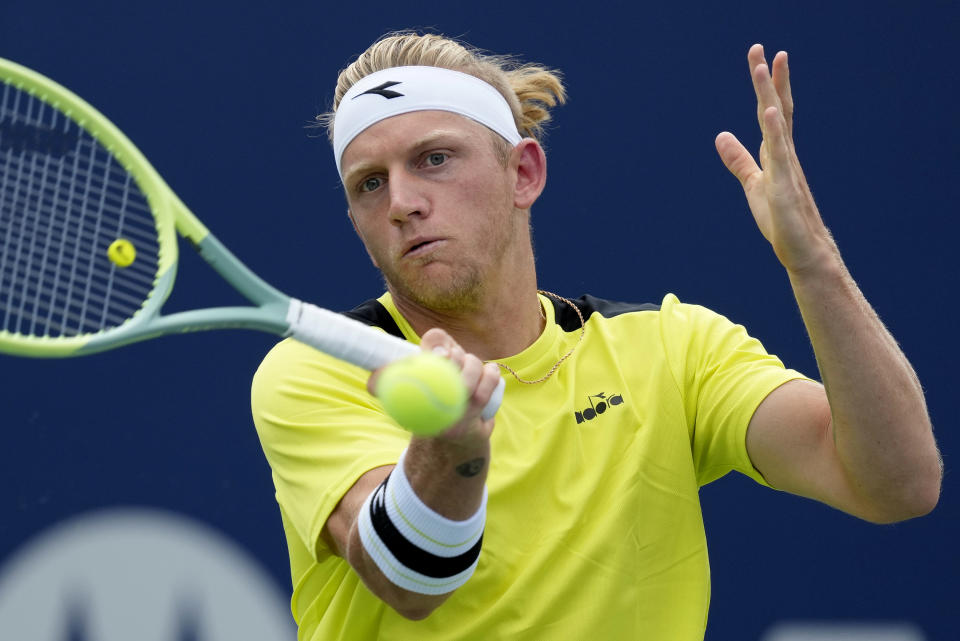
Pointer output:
x,y
411,555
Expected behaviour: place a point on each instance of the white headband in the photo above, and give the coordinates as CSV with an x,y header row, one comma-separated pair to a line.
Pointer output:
x,y
400,90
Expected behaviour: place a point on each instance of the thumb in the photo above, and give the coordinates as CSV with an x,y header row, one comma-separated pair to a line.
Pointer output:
x,y
434,338
736,157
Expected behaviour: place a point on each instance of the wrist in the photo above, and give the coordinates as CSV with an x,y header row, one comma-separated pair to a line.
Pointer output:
x,y
827,266
415,547
449,478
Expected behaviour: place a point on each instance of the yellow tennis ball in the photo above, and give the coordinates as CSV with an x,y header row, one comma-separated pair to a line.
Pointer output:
x,y
423,393
121,252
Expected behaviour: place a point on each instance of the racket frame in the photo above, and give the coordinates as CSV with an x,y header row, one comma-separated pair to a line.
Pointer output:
x,y
275,312
171,216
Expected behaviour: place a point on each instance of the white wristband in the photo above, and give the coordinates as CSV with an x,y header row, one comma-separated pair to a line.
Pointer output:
x,y
416,548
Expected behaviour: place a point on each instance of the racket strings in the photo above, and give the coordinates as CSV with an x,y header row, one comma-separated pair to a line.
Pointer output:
x,y
63,200
113,205
80,235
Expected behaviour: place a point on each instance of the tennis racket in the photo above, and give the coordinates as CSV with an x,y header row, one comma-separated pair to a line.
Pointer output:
x,y
89,248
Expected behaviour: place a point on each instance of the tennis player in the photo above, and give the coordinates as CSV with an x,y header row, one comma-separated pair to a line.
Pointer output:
x,y
578,516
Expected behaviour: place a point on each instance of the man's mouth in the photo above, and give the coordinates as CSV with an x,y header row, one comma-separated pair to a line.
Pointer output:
x,y
421,247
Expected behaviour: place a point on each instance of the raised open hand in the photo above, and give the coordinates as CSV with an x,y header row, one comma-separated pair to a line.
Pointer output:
x,y
776,189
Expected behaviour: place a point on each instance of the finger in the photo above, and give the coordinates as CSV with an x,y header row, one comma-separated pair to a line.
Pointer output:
x,y
480,393
457,355
488,383
434,338
372,381
481,379
475,376
440,342
471,372
736,158
766,93
781,82
755,58
778,145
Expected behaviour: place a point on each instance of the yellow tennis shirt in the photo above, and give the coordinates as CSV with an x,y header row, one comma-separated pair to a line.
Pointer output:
x,y
594,529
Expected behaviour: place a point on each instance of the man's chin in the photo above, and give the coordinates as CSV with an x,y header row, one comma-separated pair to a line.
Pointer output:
x,y
439,296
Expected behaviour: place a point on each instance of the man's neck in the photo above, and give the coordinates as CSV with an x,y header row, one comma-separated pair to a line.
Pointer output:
x,y
502,324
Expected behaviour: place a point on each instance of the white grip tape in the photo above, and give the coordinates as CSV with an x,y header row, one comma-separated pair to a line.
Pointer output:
x,y
359,344
496,399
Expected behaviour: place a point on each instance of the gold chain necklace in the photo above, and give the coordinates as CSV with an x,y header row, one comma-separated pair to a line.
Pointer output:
x,y
562,358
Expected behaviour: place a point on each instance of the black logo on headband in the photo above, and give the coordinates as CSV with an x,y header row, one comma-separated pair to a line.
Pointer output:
x,y
382,90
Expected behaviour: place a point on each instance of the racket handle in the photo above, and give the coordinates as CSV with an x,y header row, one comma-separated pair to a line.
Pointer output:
x,y
356,343
496,400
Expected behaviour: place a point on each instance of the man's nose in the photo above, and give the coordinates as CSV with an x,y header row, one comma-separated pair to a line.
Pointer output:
x,y
407,197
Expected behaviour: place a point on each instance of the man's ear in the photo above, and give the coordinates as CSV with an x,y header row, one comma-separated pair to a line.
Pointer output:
x,y
531,166
362,239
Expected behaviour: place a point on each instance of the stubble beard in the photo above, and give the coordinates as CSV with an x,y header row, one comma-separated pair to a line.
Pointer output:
x,y
460,290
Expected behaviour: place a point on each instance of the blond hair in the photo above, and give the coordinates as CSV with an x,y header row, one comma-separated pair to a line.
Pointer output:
x,y
530,89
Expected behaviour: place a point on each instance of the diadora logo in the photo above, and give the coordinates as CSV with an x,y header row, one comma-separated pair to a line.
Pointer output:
x,y
599,403
382,89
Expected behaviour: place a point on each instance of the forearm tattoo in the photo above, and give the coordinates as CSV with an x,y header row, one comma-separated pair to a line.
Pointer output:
x,y
471,468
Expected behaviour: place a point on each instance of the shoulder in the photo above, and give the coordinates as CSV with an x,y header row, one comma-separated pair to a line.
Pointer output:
x,y
688,321
590,306
669,311
374,313
676,330
292,376
292,369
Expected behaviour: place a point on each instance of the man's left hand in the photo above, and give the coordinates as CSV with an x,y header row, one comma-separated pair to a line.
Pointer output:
x,y
776,189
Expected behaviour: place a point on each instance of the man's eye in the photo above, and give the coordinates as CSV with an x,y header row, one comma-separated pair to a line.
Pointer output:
x,y
370,184
436,158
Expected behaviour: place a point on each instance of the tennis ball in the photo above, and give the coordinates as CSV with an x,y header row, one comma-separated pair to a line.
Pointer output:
x,y
121,252
423,393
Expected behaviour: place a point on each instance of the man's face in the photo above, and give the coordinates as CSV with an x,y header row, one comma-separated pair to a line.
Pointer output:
x,y
434,206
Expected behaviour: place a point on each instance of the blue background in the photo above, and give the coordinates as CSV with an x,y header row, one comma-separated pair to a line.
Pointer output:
x,y
637,204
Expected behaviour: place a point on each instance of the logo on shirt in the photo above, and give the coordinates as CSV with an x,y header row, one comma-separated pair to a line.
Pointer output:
x,y
382,90
599,403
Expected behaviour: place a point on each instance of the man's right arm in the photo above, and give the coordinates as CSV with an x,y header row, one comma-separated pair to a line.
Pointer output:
x,y
447,473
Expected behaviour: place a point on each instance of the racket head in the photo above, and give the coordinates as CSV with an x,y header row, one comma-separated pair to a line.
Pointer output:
x,y
76,196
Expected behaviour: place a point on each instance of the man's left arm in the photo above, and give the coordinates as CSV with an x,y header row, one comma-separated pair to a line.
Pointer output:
x,y
861,442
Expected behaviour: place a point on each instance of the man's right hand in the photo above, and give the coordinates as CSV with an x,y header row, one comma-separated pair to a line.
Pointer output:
x,y
447,472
